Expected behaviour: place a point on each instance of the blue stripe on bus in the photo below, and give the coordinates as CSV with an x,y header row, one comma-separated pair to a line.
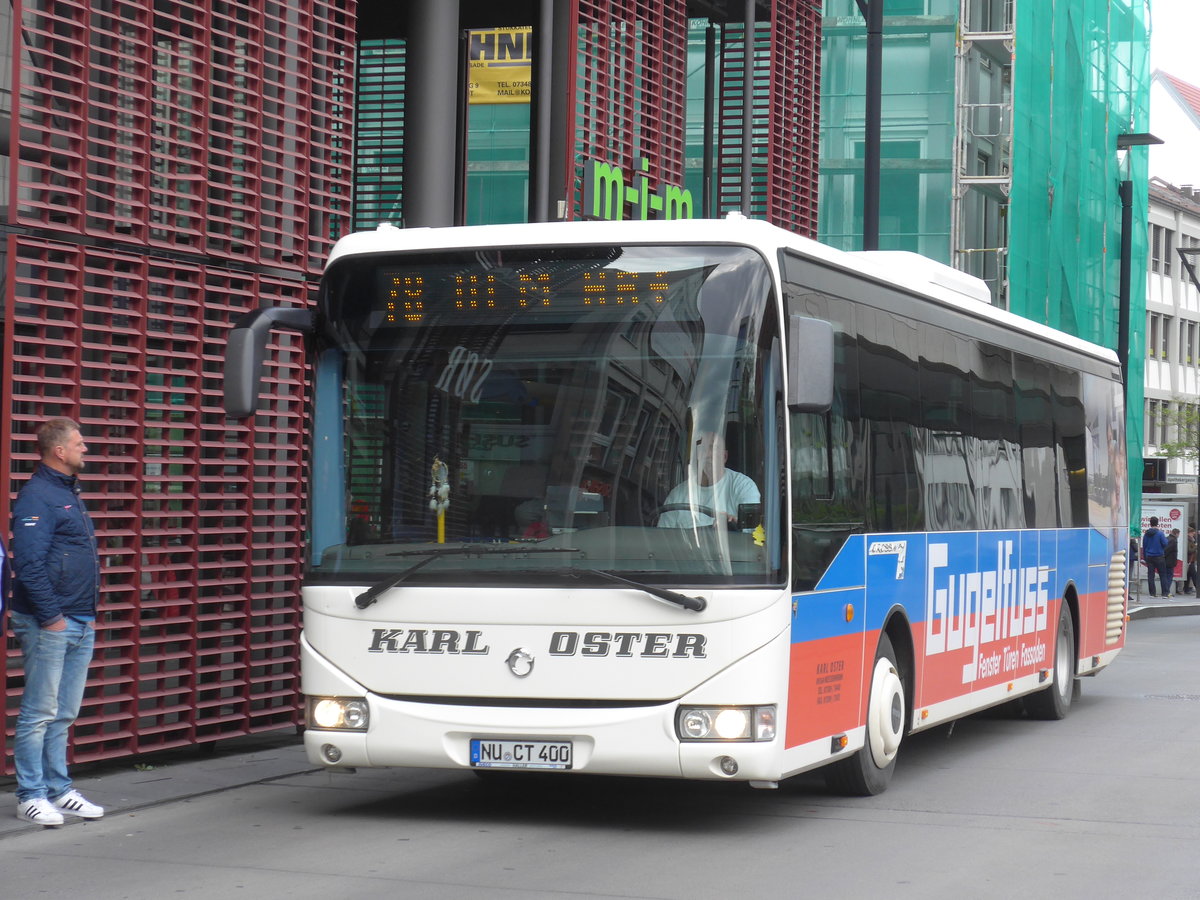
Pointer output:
x,y
878,572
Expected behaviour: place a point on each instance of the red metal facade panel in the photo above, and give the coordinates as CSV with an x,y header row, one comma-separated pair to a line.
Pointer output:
x,y
188,126
786,60
631,74
175,164
631,87
199,522
792,142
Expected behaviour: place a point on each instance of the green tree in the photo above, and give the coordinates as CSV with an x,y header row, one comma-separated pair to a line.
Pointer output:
x,y
1183,420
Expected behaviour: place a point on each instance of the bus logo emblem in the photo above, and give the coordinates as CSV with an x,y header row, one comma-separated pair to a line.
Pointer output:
x,y
520,662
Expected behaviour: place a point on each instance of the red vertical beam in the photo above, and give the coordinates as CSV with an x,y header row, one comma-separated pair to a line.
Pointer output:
x,y
786,107
630,87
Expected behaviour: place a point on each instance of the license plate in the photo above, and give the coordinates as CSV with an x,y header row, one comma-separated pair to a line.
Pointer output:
x,y
491,754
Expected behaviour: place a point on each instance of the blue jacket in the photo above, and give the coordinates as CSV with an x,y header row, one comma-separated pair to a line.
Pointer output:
x,y
1154,543
56,564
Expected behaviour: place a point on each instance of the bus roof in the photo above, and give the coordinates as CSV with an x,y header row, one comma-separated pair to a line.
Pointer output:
x,y
909,271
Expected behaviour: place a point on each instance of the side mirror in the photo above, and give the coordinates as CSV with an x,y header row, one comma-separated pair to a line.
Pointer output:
x,y
810,365
246,350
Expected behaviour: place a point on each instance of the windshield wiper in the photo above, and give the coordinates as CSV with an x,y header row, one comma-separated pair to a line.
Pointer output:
x,y
371,594
696,604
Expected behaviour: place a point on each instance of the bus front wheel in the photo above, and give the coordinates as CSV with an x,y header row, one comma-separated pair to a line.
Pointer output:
x,y
869,770
1055,701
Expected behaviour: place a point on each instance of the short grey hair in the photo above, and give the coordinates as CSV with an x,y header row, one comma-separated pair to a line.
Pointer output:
x,y
54,433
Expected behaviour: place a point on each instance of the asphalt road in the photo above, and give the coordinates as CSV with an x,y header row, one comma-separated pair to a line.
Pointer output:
x,y
1103,804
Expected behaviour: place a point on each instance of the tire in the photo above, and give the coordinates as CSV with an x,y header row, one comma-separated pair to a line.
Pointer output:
x,y
1054,701
869,771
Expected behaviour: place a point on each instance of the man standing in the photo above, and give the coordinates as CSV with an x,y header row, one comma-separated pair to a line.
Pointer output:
x,y
1189,577
56,568
1170,559
1154,545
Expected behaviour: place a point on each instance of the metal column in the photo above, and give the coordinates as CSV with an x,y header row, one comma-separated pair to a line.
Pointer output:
x,y
553,92
430,176
748,110
872,11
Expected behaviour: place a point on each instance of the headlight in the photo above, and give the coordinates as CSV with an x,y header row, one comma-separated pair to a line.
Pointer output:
x,y
725,723
338,713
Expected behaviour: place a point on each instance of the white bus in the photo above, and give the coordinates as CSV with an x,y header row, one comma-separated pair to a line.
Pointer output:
x,y
694,499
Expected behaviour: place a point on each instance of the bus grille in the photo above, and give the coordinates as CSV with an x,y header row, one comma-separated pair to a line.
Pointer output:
x,y
1115,624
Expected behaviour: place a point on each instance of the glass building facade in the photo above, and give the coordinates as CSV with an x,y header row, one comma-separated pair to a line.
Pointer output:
x,y
918,126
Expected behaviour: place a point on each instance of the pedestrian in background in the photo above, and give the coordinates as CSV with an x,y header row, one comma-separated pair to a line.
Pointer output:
x,y
56,586
1190,583
1170,560
1154,545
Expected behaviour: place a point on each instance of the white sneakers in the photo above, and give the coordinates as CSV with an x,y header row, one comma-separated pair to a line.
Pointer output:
x,y
74,803
41,811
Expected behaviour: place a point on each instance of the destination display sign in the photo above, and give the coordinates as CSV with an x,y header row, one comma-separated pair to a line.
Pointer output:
x,y
407,296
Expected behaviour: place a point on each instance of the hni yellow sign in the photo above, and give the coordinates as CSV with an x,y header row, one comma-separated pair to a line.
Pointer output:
x,y
499,68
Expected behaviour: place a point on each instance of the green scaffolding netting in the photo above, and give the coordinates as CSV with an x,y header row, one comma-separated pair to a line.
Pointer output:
x,y
1081,78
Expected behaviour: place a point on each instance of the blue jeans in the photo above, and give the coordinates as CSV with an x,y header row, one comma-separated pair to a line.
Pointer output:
x,y
56,667
1159,566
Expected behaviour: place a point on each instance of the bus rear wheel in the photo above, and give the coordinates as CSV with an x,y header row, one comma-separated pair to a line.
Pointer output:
x,y
869,771
1054,702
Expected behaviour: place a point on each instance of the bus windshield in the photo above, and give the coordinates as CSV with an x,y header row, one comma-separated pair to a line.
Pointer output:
x,y
613,409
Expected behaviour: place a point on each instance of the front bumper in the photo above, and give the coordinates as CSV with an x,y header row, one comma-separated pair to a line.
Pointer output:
x,y
610,740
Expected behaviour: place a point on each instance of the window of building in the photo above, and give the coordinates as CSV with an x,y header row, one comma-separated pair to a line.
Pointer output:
x,y
1162,243
1153,328
1190,242
900,192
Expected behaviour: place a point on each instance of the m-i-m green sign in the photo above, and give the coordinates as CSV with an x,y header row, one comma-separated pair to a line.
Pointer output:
x,y
608,195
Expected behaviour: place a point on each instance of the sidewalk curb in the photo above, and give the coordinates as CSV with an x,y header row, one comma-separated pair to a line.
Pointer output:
x,y
1181,607
121,787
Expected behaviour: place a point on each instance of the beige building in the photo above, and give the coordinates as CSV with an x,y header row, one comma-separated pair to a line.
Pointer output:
x,y
1172,373
1172,379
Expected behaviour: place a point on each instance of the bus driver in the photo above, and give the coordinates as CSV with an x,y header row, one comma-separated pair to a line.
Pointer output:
x,y
711,491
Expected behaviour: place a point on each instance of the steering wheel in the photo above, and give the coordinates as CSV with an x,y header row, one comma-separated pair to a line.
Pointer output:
x,y
688,508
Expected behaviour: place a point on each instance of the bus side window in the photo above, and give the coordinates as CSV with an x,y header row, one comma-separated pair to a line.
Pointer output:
x,y
948,461
1038,457
828,452
890,398
1071,445
812,460
997,448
